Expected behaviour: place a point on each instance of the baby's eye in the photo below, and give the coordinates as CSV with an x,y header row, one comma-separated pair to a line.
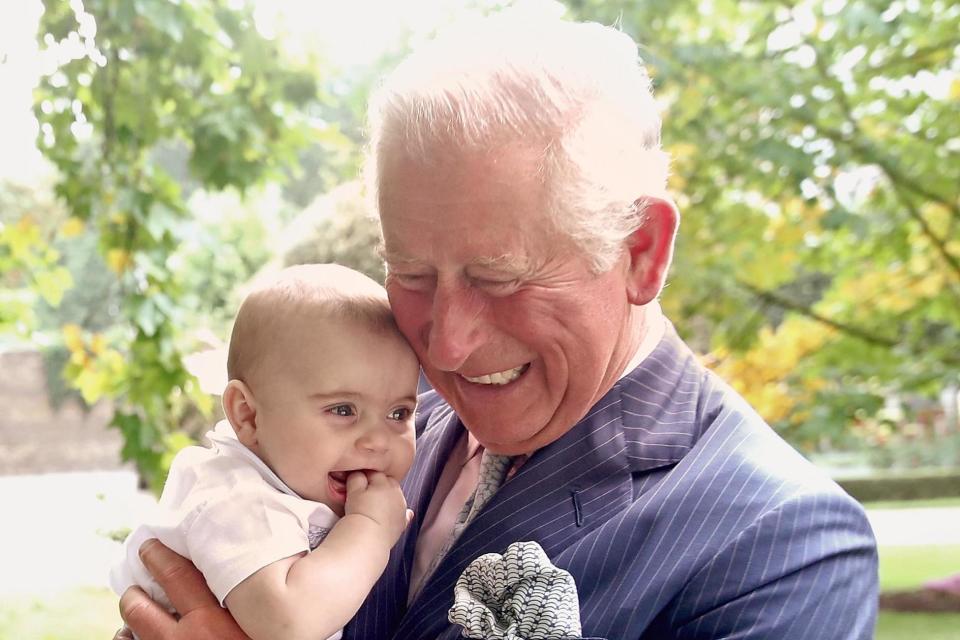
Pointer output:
x,y
342,410
400,414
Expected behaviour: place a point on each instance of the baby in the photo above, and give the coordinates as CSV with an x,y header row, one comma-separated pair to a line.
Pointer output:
x,y
319,430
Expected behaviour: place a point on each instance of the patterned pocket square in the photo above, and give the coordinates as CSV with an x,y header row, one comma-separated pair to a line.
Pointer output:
x,y
519,595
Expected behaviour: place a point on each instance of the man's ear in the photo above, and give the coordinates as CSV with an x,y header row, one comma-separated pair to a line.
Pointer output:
x,y
650,249
240,407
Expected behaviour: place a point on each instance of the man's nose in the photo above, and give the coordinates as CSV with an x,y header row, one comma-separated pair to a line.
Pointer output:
x,y
454,331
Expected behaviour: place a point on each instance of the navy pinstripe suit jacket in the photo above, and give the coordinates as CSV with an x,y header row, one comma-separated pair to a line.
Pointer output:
x,y
678,511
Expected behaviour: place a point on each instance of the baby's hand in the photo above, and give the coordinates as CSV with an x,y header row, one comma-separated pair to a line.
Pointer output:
x,y
378,496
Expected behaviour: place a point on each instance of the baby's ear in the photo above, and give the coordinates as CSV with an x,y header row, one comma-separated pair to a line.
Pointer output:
x,y
240,407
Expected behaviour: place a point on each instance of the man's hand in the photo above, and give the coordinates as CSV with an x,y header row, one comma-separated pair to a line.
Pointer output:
x,y
201,616
380,498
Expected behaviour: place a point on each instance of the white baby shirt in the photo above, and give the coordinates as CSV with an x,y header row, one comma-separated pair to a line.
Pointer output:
x,y
226,511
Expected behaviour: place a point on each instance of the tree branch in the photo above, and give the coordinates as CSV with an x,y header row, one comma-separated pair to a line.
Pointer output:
x,y
866,150
896,179
771,297
775,299
937,241
918,56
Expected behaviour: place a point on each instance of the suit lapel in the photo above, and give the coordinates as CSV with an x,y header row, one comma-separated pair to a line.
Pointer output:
x,y
562,492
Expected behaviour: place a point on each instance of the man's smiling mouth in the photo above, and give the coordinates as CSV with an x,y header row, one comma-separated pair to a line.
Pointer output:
x,y
499,377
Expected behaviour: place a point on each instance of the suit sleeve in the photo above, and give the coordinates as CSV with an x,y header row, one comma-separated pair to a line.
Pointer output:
x,y
806,569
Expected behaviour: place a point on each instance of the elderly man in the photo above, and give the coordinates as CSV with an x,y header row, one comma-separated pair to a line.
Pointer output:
x,y
527,234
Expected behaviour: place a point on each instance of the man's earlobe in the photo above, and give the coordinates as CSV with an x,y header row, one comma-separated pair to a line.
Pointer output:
x,y
240,407
651,249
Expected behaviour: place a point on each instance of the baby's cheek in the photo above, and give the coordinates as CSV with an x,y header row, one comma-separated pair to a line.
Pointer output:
x,y
408,452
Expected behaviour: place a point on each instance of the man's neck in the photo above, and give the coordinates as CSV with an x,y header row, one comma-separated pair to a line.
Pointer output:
x,y
652,327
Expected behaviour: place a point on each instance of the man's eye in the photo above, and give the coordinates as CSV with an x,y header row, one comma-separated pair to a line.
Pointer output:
x,y
496,287
413,281
400,414
342,410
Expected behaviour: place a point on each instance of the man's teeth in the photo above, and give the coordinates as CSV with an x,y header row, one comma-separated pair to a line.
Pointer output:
x,y
500,377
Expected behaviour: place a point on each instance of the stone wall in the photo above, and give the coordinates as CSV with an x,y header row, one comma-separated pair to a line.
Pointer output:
x,y
35,438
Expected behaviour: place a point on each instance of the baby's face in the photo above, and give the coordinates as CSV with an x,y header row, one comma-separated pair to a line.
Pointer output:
x,y
333,398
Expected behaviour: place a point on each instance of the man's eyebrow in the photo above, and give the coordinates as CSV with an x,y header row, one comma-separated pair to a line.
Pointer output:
x,y
507,261
392,257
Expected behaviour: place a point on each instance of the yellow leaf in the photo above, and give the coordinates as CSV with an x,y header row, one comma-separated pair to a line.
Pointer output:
x,y
98,344
955,90
677,182
72,227
118,260
26,223
73,338
90,383
113,363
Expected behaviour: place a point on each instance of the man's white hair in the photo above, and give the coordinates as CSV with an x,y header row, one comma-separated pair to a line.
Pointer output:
x,y
576,93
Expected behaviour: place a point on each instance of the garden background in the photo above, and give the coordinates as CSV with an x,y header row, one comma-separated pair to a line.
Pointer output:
x,y
156,155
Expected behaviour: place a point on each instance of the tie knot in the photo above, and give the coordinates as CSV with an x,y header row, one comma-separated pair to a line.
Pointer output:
x,y
493,470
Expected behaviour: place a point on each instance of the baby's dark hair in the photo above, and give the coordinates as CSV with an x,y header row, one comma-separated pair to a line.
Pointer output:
x,y
327,290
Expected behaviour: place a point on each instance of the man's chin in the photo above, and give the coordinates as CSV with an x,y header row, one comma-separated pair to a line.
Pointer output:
x,y
518,441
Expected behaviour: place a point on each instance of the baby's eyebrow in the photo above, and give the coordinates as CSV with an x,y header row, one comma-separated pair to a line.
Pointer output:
x,y
336,394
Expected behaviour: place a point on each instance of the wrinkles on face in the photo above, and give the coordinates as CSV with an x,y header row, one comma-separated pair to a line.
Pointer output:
x,y
459,225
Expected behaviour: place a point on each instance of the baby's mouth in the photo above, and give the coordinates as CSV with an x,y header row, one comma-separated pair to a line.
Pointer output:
x,y
338,484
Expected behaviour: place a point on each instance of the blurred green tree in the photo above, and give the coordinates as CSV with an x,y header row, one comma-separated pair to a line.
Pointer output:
x,y
128,82
30,269
816,152
338,227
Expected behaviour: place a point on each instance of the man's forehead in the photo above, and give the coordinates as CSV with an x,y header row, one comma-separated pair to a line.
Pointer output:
x,y
508,166
398,256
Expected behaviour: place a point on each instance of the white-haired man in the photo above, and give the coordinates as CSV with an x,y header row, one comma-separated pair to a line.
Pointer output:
x,y
527,233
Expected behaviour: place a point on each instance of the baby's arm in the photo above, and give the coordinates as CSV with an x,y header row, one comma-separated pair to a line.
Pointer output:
x,y
313,595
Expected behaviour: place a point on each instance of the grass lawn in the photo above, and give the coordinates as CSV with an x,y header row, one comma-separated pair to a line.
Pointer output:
x,y
78,614
909,567
918,626
932,503
91,614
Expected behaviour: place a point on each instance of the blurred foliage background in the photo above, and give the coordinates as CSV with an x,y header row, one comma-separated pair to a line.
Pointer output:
x,y
158,154
816,164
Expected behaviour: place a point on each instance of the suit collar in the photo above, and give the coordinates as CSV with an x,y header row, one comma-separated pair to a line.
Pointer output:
x,y
657,424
